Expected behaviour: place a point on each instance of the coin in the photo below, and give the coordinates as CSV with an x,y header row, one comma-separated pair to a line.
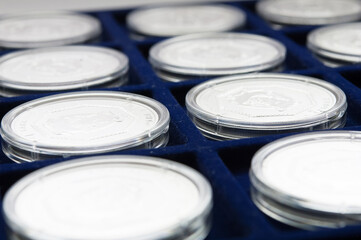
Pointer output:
x,y
47,29
310,180
309,12
61,68
83,123
264,102
217,54
339,42
111,197
185,19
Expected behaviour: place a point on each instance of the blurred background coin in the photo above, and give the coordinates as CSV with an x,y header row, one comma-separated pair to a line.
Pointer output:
x,y
61,68
309,12
176,20
47,29
340,42
215,54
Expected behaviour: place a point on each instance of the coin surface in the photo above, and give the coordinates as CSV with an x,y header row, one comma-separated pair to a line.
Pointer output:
x,y
339,42
265,100
316,170
85,122
309,12
185,19
217,54
61,68
111,197
47,29
267,103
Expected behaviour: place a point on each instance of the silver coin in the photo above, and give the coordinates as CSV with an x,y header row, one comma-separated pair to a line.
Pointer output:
x,y
61,68
316,174
83,123
185,19
332,63
217,54
264,102
47,29
339,42
309,12
111,197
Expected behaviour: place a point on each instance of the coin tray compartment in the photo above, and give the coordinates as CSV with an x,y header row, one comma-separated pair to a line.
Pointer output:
x,y
299,36
353,75
105,35
225,163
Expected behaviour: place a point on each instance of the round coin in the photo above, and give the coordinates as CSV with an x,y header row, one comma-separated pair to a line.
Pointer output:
x,y
232,107
185,19
110,197
339,42
82,123
213,54
309,12
61,68
314,177
47,29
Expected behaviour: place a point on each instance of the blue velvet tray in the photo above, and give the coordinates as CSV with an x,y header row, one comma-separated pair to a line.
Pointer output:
x,y
225,163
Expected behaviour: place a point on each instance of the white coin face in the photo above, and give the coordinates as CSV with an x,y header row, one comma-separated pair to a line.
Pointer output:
x,y
47,29
113,198
266,100
61,68
322,171
181,20
340,42
310,12
216,54
81,122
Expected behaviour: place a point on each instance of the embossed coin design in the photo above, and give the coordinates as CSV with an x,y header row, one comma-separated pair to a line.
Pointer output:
x,y
62,68
47,29
260,104
215,54
185,19
310,180
309,12
338,42
82,123
110,197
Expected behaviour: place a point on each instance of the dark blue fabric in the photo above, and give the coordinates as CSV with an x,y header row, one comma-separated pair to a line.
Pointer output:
x,y
225,163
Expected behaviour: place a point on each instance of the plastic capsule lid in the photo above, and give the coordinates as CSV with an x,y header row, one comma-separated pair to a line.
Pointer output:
x,y
309,12
61,68
267,101
339,42
84,123
217,54
314,171
185,19
47,29
110,197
